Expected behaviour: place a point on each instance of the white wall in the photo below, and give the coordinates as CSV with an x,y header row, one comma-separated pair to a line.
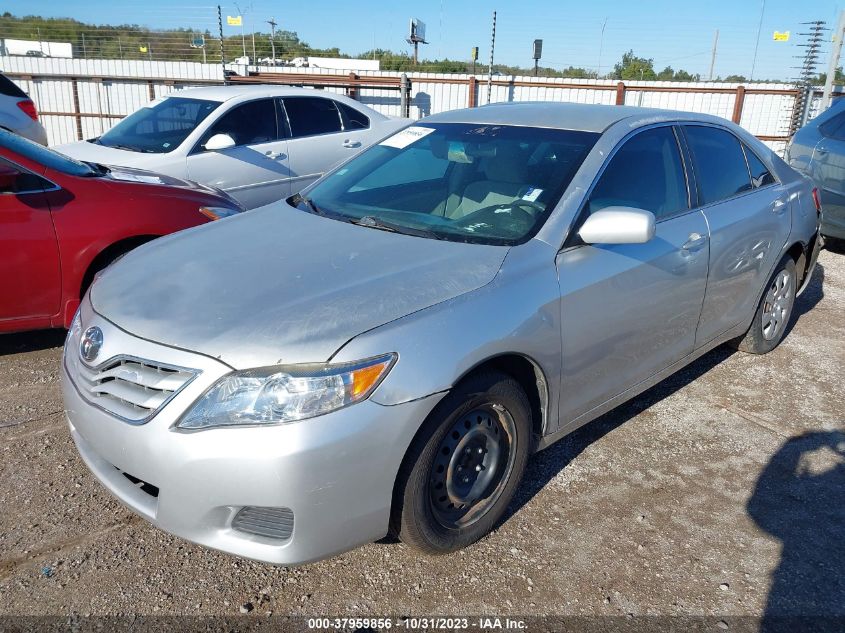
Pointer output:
x,y
117,93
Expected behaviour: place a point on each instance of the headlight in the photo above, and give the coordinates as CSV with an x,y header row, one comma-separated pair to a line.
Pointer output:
x,y
276,395
217,213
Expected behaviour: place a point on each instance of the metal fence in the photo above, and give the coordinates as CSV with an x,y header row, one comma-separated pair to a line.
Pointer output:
x,y
81,98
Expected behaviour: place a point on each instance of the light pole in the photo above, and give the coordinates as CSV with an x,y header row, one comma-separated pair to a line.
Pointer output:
x,y
757,44
272,23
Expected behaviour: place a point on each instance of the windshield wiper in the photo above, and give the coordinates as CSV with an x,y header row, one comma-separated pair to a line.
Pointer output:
x,y
382,225
129,148
312,208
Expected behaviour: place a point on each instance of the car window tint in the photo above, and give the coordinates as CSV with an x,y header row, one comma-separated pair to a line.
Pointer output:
x,y
719,163
646,173
352,118
412,166
312,115
14,180
834,127
760,174
10,88
248,124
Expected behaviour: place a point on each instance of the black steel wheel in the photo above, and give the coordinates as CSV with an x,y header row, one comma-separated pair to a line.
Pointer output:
x,y
463,467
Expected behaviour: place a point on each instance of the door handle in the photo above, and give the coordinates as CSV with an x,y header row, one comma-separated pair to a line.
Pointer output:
x,y
274,155
350,144
694,242
779,206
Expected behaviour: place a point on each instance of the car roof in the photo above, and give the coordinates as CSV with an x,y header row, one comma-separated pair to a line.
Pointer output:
x,y
566,116
224,93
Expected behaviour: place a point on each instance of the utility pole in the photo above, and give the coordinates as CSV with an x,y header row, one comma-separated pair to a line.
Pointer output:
x,y
490,67
243,37
220,33
713,55
272,23
833,64
757,44
84,52
807,72
601,46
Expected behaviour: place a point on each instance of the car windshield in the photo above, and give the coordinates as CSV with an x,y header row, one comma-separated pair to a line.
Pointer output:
x,y
476,183
159,127
45,156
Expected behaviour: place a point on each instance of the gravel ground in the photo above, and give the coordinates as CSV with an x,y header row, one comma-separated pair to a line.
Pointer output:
x,y
718,491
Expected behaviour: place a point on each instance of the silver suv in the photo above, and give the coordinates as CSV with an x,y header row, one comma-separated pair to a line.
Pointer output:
x,y
18,112
383,352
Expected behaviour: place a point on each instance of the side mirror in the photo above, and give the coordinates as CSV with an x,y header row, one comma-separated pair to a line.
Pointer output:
x,y
219,141
618,225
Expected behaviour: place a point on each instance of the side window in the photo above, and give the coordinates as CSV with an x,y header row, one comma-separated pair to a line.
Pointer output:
x,y
719,163
834,128
14,180
352,119
646,173
760,174
312,115
248,124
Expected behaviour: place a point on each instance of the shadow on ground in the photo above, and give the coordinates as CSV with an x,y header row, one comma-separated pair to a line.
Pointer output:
x,y
31,341
800,500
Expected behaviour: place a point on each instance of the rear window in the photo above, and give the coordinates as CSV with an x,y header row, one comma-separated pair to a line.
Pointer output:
x,y
310,116
10,88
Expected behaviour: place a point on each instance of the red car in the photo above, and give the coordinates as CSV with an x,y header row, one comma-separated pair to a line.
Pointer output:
x,y
62,220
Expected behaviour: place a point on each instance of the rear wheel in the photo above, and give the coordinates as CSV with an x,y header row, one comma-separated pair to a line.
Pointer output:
x,y
462,470
773,313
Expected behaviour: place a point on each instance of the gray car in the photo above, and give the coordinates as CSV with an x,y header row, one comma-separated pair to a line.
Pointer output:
x,y
258,143
818,150
382,352
18,113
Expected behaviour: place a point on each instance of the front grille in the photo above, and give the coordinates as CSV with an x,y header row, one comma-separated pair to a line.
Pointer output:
x,y
130,388
275,523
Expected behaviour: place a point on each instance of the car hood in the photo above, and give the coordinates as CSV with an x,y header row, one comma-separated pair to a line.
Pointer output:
x,y
278,285
83,150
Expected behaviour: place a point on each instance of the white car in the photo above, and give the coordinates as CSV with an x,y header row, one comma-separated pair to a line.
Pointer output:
x,y
18,113
258,143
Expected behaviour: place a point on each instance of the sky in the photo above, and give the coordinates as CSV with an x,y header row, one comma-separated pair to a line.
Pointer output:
x,y
672,32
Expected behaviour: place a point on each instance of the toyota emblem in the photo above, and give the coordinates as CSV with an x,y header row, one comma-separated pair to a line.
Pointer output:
x,y
92,341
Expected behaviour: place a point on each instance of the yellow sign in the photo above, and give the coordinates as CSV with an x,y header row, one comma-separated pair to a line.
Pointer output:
x,y
781,37
143,49
234,21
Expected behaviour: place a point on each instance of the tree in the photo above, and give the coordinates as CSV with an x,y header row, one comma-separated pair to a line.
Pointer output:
x,y
735,79
633,67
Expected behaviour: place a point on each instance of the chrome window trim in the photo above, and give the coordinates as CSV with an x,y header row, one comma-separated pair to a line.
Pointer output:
x,y
121,357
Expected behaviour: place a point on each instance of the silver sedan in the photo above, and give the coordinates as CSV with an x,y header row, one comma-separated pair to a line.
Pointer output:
x,y
383,352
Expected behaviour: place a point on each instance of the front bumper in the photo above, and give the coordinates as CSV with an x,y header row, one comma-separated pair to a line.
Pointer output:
x,y
335,472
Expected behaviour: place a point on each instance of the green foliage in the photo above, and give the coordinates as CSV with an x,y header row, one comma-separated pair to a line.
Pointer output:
x,y
633,67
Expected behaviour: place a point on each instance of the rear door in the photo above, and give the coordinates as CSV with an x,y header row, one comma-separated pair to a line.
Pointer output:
x,y
30,283
630,310
749,220
323,133
255,171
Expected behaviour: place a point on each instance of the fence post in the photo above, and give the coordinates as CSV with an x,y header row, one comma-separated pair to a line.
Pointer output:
x,y
77,112
620,93
405,94
473,93
739,101
151,90
352,90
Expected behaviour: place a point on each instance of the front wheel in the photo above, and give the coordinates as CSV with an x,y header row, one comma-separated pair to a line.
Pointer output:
x,y
462,469
773,313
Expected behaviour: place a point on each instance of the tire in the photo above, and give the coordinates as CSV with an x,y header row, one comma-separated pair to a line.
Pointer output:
x,y
772,316
482,429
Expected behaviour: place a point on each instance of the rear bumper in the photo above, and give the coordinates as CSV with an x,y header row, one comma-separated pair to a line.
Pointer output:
x,y
335,473
815,246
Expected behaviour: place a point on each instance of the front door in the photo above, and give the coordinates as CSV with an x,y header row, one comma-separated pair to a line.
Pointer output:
x,y
30,283
256,170
629,311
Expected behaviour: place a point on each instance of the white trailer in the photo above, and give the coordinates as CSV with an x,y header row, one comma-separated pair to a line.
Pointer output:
x,y
34,48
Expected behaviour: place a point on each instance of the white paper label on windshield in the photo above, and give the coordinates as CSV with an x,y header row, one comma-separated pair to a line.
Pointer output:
x,y
407,136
